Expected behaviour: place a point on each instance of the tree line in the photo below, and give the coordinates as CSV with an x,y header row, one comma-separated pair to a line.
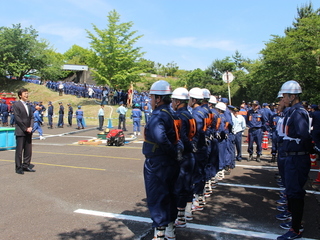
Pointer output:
x,y
116,60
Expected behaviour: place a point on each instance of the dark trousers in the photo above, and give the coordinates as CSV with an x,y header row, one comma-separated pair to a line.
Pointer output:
x,y
70,119
255,135
24,146
122,119
101,120
238,143
60,123
50,120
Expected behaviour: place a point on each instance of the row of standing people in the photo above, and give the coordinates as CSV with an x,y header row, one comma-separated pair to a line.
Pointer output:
x,y
186,153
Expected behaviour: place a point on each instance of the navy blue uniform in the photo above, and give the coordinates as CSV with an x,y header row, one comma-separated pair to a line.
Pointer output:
x,y
274,136
61,114
70,113
161,167
79,115
136,116
201,155
50,114
297,145
256,124
184,186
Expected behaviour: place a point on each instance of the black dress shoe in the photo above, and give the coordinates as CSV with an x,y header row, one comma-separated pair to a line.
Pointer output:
x,y
28,169
19,171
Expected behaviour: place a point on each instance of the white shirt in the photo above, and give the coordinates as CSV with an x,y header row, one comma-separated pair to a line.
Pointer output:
x,y
101,112
239,123
25,106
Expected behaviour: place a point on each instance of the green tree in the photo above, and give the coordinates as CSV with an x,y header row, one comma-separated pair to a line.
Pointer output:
x,y
77,55
21,52
293,56
114,58
53,71
147,66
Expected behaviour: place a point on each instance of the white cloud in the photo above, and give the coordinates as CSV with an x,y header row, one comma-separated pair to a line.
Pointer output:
x,y
67,33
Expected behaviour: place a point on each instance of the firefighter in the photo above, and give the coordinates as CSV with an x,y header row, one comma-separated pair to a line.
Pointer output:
x,y
297,144
201,155
162,149
256,124
184,189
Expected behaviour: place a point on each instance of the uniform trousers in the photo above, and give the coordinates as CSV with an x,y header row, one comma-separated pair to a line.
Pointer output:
x,y
238,144
50,120
160,175
184,186
255,135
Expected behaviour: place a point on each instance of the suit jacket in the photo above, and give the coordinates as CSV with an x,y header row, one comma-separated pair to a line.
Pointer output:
x,y
23,120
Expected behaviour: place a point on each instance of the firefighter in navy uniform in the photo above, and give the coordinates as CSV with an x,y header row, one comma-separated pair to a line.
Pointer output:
x,y
274,134
256,124
201,155
184,189
70,114
297,144
162,149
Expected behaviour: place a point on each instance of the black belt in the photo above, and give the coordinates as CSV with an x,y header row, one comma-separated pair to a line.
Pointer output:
x,y
296,153
254,128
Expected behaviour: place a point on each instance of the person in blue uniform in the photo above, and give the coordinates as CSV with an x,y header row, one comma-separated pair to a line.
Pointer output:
x,y
147,110
201,155
274,134
61,115
50,114
38,121
221,135
184,185
70,113
256,124
162,148
136,116
297,144
5,113
214,153
79,116
11,113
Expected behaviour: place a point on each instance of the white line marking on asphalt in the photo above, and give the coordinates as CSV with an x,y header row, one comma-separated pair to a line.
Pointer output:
x,y
267,167
190,225
261,187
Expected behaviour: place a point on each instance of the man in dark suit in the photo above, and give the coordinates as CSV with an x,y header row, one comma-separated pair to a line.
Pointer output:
x,y
23,131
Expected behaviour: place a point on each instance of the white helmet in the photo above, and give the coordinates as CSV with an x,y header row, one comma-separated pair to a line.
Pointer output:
x,y
161,87
213,99
196,93
221,106
206,93
180,93
280,95
291,87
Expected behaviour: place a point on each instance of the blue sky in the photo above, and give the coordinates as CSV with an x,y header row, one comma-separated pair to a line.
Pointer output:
x,y
188,32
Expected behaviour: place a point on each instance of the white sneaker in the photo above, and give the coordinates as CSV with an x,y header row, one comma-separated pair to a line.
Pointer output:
x,y
42,138
170,233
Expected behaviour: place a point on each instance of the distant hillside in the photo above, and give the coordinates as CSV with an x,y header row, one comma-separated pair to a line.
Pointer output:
x,y
39,93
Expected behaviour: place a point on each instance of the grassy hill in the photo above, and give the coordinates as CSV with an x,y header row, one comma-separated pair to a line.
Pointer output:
x,y
90,106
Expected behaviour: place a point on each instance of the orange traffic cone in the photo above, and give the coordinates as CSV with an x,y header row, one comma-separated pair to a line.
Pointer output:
x,y
265,141
317,181
313,159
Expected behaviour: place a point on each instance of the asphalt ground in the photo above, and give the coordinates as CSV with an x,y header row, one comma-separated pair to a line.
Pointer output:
x,y
97,192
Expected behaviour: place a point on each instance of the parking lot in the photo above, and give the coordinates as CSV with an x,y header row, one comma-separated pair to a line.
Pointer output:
x,y
97,192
